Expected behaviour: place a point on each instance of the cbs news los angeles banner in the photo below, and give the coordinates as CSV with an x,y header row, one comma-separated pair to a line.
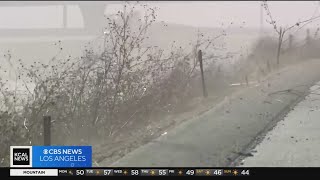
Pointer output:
x,y
48,157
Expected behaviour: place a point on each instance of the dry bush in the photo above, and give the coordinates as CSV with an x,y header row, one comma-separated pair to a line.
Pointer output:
x,y
263,58
102,94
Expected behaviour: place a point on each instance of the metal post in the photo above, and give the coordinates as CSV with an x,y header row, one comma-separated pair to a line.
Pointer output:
x,y
47,130
205,94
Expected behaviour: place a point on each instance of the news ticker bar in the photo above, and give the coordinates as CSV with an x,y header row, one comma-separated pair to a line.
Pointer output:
x,y
130,172
108,171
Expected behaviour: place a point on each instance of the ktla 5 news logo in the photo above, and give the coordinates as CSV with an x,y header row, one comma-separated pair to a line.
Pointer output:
x,y
20,156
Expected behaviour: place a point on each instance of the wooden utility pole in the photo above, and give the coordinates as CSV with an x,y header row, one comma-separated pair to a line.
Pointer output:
x,y
205,94
290,41
47,130
281,34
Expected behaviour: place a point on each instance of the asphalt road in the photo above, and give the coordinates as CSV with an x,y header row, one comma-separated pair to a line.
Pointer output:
x,y
226,132
295,141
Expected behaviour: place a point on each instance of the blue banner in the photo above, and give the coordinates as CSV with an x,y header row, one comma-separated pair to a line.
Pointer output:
x,y
61,156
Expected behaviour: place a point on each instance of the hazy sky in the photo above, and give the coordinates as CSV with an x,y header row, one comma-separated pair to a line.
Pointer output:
x,y
211,13
203,13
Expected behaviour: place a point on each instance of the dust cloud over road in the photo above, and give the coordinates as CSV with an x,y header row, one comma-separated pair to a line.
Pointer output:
x,y
294,142
225,132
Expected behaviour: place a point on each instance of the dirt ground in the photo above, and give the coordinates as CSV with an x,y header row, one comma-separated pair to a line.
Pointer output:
x,y
110,152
